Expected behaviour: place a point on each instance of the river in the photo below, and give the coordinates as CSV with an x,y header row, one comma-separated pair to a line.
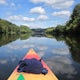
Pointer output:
x,y
61,54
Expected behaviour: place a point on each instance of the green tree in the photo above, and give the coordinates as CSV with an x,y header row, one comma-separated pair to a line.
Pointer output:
x,y
8,27
24,29
73,25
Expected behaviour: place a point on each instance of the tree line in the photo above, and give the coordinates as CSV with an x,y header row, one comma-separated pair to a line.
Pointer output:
x,y
71,27
7,27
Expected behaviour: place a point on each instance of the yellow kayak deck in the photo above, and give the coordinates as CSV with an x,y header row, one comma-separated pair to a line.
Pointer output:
x,y
28,76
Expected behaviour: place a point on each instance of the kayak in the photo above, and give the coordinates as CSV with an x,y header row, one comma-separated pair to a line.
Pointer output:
x,y
29,76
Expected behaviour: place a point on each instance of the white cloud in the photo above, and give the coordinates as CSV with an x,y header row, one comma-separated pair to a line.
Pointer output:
x,y
38,10
13,4
21,18
64,4
2,1
59,4
42,17
46,1
38,1
62,13
28,19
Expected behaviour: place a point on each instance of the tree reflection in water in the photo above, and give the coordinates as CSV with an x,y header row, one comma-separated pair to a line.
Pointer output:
x,y
73,43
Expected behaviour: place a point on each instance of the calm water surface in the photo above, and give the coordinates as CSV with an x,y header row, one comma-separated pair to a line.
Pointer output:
x,y
62,55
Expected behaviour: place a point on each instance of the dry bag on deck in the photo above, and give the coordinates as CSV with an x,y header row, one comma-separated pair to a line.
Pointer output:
x,y
32,66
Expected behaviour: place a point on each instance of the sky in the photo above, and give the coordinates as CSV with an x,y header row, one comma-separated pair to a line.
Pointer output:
x,y
37,13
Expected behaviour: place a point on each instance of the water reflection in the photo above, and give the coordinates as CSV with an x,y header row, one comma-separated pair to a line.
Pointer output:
x,y
62,65
74,47
61,53
73,44
5,39
3,61
25,36
42,48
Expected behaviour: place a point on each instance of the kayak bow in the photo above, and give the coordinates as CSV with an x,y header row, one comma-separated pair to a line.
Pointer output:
x,y
28,76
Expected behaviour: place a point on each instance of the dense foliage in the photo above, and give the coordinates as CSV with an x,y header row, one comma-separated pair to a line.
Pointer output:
x,y
24,29
7,27
71,27
49,30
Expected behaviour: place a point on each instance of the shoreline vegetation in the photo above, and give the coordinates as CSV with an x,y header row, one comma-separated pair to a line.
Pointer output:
x,y
71,27
7,27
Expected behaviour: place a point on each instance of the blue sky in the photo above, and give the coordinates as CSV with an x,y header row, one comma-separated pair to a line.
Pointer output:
x,y
37,13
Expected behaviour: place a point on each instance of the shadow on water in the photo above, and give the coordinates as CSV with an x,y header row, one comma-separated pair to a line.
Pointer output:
x,y
62,68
